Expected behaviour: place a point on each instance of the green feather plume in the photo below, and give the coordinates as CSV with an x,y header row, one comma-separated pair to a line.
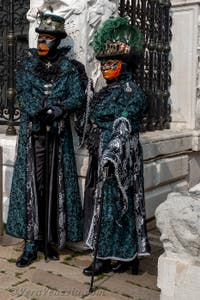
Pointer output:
x,y
117,29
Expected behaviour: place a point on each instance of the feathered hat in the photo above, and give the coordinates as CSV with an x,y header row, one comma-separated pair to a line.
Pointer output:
x,y
117,39
51,24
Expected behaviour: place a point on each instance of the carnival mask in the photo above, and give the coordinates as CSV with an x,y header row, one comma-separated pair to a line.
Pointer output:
x,y
46,43
111,68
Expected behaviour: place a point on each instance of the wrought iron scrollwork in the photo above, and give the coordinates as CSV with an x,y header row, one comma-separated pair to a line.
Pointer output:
x,y
154,19
13,38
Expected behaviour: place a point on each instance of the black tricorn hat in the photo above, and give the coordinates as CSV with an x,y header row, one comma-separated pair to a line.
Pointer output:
x,y
52,24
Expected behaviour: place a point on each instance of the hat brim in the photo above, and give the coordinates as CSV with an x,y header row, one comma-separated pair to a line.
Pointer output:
x,y
120,56
56,33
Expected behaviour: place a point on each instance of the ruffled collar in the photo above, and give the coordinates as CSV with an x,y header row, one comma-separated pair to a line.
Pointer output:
x,y
122,77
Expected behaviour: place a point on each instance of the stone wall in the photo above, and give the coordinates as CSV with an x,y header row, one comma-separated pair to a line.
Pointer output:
x,y
185,64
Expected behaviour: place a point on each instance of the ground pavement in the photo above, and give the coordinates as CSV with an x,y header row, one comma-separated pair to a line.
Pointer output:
x,y
63,279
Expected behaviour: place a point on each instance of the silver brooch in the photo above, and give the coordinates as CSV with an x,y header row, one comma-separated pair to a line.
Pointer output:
x,y
128,89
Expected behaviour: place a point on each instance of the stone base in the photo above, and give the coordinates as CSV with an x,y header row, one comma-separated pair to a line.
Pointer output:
x,y
5,209
178,280
7,240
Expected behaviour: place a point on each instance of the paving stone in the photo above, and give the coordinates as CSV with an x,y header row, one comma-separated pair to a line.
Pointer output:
x,y
9,252
5,295
22,298
28,290
102,294
31,290
56,295
58,268
10,268
65,272
120,286
7,280
144,279
60,283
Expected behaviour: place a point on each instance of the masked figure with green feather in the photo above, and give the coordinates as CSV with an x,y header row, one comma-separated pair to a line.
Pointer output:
x,y
112,139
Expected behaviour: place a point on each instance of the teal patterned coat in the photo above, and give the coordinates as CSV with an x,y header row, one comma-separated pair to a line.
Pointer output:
x,y
117,111
67,91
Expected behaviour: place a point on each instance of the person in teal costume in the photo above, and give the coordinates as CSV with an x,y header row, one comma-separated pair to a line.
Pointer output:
x,y
50,87
115,115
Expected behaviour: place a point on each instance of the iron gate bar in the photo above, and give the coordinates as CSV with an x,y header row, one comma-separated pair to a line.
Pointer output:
x,y
122,8
133,11
167,63
11,93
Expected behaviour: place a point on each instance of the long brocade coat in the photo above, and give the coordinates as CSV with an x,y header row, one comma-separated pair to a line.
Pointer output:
x,y
66,90
117,111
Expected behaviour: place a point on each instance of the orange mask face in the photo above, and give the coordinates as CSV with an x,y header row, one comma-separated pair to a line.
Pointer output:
x,y
45,43
111,68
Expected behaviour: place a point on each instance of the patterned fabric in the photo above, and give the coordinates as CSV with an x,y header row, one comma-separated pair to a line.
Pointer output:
x,y
123,231
66,90
118,153
31,247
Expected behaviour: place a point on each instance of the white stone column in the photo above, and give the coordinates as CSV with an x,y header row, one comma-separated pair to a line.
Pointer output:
x,y
185,69
178,280
178,219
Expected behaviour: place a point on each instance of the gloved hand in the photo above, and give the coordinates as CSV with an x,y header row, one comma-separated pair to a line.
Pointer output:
x,y
48,114
108,168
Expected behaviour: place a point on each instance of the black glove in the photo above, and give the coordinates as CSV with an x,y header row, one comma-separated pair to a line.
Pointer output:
x,y
109,168
48,114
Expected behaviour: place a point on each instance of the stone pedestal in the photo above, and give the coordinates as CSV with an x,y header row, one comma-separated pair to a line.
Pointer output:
x,y
8,146
178,219
178,279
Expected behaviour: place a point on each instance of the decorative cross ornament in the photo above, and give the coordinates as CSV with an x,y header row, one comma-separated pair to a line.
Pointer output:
x,y
48,65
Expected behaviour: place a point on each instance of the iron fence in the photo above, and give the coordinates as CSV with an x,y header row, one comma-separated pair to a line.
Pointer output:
x,y
13,38
154,19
